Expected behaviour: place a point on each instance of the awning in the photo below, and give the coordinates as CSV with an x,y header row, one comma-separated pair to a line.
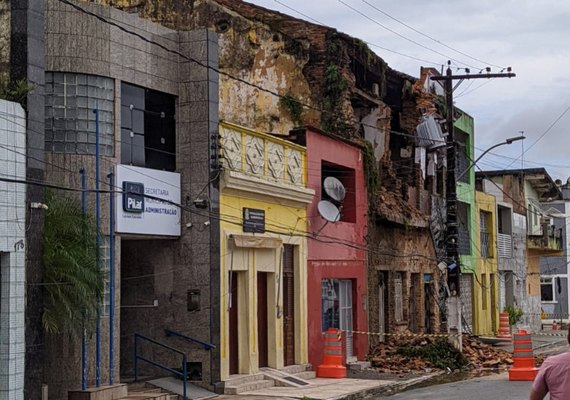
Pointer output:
x,y
257,242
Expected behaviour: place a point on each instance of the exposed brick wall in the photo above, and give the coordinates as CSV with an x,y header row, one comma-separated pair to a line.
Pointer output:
x,y
391,248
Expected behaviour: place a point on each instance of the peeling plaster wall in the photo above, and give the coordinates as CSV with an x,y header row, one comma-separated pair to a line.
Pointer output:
x,y
249,50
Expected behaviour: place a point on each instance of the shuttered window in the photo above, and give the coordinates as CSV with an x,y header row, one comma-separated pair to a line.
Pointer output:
x,y
398,298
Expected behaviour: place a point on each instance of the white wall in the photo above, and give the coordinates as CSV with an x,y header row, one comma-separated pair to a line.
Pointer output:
x,y
12,245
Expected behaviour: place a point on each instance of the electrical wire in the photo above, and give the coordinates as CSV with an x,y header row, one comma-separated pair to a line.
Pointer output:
x,y
428,36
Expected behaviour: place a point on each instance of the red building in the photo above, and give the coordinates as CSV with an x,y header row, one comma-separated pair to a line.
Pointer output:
x,y
337,280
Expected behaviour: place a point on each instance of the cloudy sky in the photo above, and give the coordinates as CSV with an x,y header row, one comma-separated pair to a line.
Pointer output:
x,y
531,36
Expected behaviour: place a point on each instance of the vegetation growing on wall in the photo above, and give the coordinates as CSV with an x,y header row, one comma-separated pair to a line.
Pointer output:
x,y
333,119
294,107
371,174
73,282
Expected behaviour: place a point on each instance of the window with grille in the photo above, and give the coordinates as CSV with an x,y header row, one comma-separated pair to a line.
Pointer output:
x,y
485,235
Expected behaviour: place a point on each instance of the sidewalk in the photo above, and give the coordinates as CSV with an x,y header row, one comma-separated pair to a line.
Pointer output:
x,y
332,389
542,341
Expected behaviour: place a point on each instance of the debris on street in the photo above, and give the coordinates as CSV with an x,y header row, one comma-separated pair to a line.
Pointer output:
x,y
428,354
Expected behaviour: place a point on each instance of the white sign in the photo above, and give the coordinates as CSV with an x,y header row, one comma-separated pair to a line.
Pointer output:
x,y
146,201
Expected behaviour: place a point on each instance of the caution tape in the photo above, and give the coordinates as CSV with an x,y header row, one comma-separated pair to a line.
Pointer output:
x,y
562,335
405,334
440,335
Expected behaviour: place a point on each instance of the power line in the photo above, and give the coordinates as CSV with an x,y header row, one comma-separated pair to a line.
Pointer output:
x,y
402,36
367,42
428,36
210,67
542,135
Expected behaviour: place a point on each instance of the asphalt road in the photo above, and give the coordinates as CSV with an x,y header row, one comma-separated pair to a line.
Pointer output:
x,y
486,388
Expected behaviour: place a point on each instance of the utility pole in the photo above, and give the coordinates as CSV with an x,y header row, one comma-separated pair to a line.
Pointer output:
x,y
454,317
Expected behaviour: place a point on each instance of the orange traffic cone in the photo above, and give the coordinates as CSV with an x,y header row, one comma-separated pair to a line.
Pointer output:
x,y
504,331
332,356
523,368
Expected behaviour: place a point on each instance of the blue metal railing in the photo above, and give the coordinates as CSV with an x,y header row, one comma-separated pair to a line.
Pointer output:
x,y
183,374
206,345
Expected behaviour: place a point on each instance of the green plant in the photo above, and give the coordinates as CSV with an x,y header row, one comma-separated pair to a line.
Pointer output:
x,y
440,353
371,174
515,314
15,90
73,282
294,106
333,118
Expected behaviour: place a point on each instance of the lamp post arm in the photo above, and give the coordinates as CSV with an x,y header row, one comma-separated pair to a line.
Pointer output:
x,y
461,175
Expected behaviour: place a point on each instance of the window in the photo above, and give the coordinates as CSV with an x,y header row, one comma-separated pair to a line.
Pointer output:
x,y
147,128
547,292
70,124
398,297
463,236
336,301
347,178
462,160
330,303
485,236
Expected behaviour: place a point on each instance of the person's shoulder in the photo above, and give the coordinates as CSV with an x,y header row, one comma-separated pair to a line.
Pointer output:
x,y
557,359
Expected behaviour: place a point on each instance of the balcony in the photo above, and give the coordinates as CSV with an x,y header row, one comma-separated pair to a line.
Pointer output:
x,y
550,241
263,165
505,245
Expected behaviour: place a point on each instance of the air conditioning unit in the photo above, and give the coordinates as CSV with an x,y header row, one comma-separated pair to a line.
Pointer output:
x,y
429,133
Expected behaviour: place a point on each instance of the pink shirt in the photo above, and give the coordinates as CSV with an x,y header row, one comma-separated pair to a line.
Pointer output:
x,y
554,376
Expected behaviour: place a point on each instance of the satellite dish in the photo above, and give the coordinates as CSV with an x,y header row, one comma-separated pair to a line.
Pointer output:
x,y
328,211
334,188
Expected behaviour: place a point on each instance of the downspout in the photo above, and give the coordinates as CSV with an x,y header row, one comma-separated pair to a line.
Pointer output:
x,y
111,278
83,334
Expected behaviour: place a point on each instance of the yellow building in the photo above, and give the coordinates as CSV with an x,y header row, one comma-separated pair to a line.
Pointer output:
x,y
263,223
486,285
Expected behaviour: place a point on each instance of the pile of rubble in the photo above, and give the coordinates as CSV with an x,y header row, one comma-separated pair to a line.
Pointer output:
x,y
393,356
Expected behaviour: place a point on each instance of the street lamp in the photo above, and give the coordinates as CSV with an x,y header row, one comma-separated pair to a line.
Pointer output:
x,y
507,141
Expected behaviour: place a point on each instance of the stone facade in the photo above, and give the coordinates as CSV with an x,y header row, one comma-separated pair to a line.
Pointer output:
x,y
13,224
80,47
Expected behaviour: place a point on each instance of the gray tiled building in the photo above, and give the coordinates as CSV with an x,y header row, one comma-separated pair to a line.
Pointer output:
x,y
12,254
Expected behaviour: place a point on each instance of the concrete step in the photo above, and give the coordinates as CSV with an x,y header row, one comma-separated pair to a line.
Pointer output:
x,y
248,387
116,391
295,369
283,379
306,375
236,380
140,395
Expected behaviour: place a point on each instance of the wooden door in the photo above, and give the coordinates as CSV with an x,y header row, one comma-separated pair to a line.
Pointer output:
x,y
288,306
262,325
234,343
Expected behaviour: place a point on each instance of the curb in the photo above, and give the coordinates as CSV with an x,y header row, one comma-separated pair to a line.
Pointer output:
x,y
389,389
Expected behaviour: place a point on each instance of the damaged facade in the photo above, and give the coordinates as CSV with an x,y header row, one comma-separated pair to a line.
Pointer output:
x,y
534,235
185,282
